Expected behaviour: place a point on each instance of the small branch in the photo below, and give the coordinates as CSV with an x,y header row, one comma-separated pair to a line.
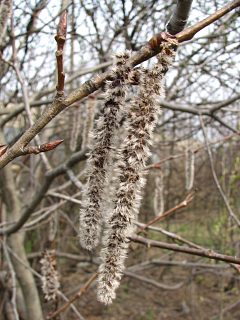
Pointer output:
x,y
170,235
74,298
190,32
74,179
152,282
60,39
42,148
24,89
50,176
210,113
175,237
158,165
207,253
161,217
63,196
180,16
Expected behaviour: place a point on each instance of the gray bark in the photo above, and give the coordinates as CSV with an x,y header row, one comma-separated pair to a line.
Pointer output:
x,y
180,16
5,11
16,243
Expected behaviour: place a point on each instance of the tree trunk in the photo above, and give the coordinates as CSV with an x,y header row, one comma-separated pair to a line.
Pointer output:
x,y
16,243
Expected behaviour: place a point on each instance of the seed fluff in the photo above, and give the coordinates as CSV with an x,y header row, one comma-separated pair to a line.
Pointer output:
x,y
132,157
90,213
50,278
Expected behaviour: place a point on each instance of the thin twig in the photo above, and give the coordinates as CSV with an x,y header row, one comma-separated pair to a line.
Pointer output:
x,y
60,39
152,282
207,253
25,93
214,174
74,298
158,164
161,217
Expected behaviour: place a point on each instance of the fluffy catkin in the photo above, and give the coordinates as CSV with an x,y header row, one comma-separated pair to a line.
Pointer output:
x,y
90,214
76,121
50,278
133,154
189,168
88,124
158,201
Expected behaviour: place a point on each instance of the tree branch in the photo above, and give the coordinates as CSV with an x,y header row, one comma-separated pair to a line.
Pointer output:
x,y
75,158
60,39
190,32
207,253
180,16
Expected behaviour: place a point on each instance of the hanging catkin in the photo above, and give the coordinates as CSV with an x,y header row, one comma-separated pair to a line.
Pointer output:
x,y
133,154
189,168
90,214
50,278
158,201
88,123
76,128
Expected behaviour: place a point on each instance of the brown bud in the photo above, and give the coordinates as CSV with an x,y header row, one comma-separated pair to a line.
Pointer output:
x,y
62,25
50,146
3,149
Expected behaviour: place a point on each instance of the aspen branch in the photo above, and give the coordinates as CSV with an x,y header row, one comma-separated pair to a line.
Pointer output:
x,y
206,253
161,217
180,16
190,32
74,298
60,39
149,50
42,148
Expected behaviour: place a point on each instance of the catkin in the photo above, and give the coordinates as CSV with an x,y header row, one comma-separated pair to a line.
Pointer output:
x,y
90,213
50,278
88,124
132,158
158,201
189,168
76,119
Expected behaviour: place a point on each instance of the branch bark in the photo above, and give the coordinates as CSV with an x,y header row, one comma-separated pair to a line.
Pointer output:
x,y
207,253
180,16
